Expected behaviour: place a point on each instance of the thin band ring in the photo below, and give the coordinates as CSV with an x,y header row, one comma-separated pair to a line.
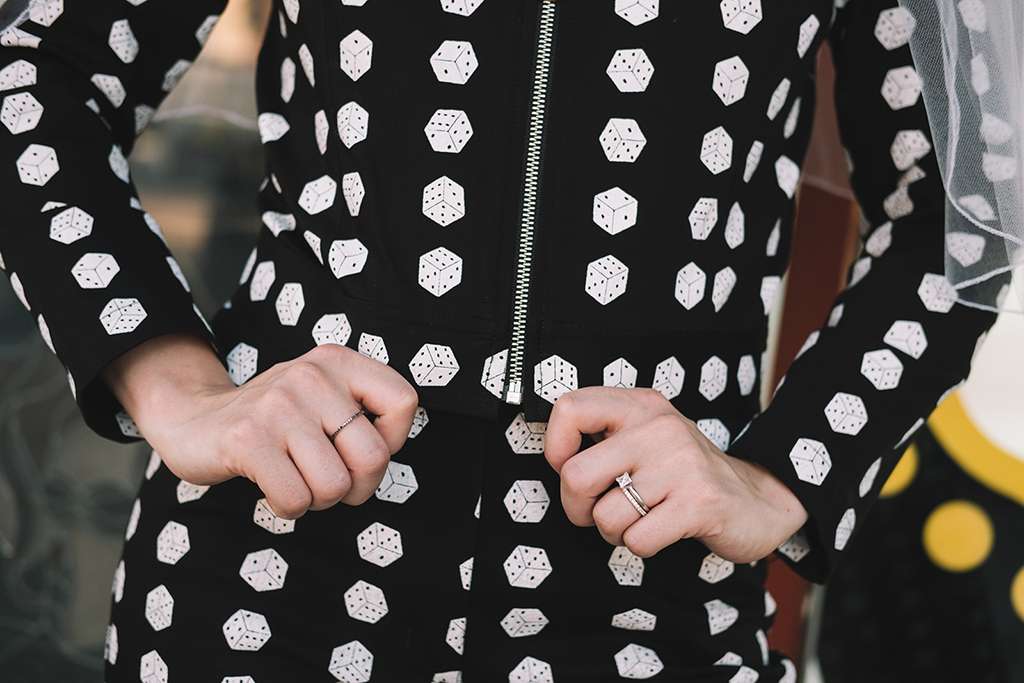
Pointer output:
x,y
346,423
625,483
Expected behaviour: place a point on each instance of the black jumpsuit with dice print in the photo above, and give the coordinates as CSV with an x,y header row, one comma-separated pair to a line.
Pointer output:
x,y
495,197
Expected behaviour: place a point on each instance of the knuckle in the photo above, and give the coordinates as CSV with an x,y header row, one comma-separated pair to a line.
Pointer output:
x,y
290,505
638,543
306,373
603,517
330,490
407,400
573,476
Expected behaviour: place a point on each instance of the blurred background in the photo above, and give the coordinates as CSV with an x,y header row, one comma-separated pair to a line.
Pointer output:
x,y
946,604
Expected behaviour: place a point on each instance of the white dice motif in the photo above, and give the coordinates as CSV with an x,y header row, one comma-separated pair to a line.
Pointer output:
x,y
262,280
37,165
808,29
635,619
398,484
365,602
531,670
846,413
318,195
716,150
379,544
630,70
703,217
444,201
172,543
627,568
908,336
264,570
620,373
894,27
242,361
122,315
493,376
152,668
845,529
353,123
553,377
637,12
622,140
461,7
527,500
351,663
606,279
882,368
522,622
289,303
95,271
638,662
901,87
346,257
448,130
18,74
440,270
264,517
721,616
741,15
615,210
525,438
159,608
714,568
787,173
332,328
811,461
725,280
527,566
735,226
21,113
372,346
714,375
454,62
246,631
356,54
122,41
668,377
936,293
966,248
730,81
691,282
433,365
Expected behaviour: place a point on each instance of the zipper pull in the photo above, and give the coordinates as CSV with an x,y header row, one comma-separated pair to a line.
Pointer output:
x,y
514,392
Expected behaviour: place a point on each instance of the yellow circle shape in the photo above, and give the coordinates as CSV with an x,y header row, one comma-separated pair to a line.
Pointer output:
x,y
958,536
902,474
1017,593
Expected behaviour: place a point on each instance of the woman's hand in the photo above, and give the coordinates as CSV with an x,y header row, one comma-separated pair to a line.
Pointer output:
x,y
274,429
694,490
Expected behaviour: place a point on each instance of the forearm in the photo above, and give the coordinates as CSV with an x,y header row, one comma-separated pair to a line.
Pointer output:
x,y
151,378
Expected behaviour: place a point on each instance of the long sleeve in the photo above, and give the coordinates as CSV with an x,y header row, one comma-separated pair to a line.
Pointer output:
x,y
78,82
895,341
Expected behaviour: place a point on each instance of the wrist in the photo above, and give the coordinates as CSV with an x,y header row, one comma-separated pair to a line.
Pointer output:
x,y
789,513
165,376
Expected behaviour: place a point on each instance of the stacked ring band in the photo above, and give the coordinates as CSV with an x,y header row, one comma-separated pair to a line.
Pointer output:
x,y
625,483
346,423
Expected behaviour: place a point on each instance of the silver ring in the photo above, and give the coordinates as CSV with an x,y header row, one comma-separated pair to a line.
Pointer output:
x,y
346,423
625,483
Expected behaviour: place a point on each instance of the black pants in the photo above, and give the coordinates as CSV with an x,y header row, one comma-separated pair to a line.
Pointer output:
x,y
464,567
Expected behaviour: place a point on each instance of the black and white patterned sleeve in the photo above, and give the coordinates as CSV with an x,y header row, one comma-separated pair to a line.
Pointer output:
x,y
78,82
896,341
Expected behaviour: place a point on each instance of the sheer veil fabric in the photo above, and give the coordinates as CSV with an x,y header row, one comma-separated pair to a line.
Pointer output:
x,y
970,59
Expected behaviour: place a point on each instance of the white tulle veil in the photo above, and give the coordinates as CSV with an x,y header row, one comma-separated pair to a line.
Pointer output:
x,y
970,57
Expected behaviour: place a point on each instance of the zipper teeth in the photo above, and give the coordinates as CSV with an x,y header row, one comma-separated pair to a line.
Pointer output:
x,y
531,178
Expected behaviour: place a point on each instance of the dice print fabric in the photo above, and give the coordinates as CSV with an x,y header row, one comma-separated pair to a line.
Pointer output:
x,y
640,174
504,589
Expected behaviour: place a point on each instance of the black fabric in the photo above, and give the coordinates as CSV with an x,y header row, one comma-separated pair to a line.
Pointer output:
x,y
455,461
691,308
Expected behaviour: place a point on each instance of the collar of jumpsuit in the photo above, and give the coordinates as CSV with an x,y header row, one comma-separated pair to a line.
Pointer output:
x,y
509,200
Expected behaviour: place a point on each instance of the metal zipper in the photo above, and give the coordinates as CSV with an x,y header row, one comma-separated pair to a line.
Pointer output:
x,y
531,193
